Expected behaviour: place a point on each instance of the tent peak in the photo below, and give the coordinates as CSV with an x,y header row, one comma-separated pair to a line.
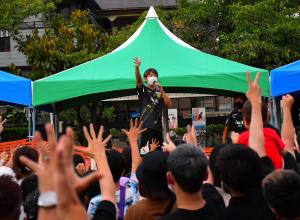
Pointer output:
x,y
151,13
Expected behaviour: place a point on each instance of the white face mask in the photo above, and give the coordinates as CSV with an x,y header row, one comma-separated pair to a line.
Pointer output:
x,y
151,80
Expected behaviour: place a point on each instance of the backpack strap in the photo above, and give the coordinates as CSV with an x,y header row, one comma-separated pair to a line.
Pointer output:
x,y
123,182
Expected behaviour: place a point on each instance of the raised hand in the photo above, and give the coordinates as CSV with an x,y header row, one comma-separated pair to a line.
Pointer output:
x,y
3,158
254,91
154,144
2,122
287,102
190,136
135,130
288,129
69,206
169,147
235,137
137,62
96,144
256,137
45,167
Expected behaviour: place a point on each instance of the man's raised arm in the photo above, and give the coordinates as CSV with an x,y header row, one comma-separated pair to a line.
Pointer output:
x,y
139,81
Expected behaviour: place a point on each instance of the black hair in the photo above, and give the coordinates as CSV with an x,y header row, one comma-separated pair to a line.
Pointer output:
x,y
116,164
10,198
30,205
28,185
240,95
247,110
281,189
239,167
188,165
150,70
212,164
126,154
77,159
19,168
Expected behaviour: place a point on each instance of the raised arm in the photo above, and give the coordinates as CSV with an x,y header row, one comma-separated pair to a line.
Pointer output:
x,y
2,122
288,129
139,81
256,139
133,135
167,100
97,148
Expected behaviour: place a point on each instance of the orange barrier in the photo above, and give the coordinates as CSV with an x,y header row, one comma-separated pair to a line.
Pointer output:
x,y
208,150
10,145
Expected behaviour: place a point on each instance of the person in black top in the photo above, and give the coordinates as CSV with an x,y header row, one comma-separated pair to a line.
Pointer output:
x,y
154,103
235,120
241,171
282,191
187,167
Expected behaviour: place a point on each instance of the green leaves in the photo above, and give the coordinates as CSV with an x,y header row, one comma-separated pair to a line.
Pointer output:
x,y
264,34
13,12
64,44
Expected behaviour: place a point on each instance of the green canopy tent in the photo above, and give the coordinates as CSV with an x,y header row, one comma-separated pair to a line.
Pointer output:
x,y
181,68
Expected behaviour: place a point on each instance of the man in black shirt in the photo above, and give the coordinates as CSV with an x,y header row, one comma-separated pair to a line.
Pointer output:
x,y
235,120
241,171
282,191
187,170
154,103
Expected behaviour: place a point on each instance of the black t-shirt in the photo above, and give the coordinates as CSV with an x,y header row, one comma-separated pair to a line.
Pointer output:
x,y
250,207
214,208
235,122
253,205
105,211
152,107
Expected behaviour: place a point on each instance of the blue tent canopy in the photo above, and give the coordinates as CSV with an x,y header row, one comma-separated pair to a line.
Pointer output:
x,y
15,90
285,79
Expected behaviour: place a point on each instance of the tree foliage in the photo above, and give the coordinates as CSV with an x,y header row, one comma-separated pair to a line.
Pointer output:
x,y
63,44
13,12
265,34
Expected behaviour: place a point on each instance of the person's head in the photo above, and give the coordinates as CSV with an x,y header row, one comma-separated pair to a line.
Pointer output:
x,y
30,205
247,110
28,185
77,159
79,164
150,76
239,168
10,198
151,174
212,164
239,101
281,189
116,164
19,168
187,167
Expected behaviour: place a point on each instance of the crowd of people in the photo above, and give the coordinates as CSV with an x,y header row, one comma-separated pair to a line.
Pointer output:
x,y
255,177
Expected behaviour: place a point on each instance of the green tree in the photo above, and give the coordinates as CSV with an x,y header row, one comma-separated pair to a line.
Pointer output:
x,y
13,12
265,33
63,44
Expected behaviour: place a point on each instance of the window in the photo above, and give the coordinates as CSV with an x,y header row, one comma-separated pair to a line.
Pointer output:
x,y
4,41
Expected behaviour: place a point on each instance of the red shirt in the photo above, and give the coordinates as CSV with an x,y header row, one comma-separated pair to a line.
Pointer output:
x,y
273,145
